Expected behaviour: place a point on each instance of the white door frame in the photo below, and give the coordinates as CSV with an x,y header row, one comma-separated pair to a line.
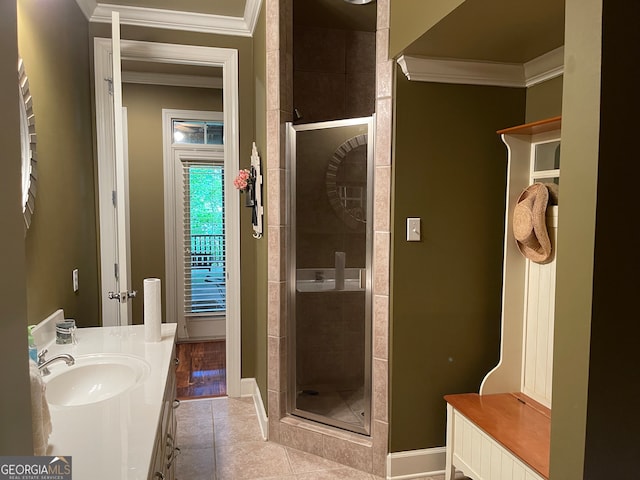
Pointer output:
x,y
184,55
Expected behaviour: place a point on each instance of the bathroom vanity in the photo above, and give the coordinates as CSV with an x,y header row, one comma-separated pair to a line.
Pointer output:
x,y
113,411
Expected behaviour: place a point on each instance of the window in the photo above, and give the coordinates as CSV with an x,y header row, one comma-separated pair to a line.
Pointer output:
x,y
198,132
204,238
545,162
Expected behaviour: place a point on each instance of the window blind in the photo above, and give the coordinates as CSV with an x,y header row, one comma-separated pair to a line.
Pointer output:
x,y
204,257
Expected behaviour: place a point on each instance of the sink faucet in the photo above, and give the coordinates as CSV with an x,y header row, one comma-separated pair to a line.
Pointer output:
x,y
43,363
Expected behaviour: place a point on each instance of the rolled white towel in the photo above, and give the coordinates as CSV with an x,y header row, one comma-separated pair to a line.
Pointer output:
x,y
40,416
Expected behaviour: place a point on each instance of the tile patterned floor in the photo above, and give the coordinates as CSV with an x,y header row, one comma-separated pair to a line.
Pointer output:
x,y
220,439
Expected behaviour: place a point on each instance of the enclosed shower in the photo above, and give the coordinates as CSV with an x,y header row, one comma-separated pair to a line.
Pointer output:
x,y
331,165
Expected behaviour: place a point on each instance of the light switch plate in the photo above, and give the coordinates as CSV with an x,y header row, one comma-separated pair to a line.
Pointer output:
x,y
75,280
413,229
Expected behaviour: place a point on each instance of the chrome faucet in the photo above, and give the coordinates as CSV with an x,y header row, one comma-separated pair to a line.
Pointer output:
x,y
43,363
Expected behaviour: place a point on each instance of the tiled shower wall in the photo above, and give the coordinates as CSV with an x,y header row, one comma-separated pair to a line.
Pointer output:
x,y
335,70
365,453
330,332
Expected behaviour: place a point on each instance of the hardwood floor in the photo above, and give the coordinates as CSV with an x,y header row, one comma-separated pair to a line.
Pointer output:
x,y
202,370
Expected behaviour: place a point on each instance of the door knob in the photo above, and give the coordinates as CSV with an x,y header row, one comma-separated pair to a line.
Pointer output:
x,y
123,296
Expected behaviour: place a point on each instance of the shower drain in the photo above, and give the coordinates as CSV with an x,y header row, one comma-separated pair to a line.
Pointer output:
x,y
309,392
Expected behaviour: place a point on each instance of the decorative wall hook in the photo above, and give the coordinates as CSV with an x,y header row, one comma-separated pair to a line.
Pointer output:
x,y
249,182
257,208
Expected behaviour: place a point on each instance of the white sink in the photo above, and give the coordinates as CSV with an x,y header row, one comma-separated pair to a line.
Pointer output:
x,y
93,378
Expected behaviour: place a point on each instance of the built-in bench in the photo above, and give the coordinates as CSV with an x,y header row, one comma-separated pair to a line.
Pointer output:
x,y
499,436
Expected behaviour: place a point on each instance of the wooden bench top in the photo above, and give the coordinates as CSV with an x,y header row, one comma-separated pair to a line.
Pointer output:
x,y
517,422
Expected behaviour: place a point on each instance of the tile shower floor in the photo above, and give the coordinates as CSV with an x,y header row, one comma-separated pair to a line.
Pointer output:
x,y
220,439
343,405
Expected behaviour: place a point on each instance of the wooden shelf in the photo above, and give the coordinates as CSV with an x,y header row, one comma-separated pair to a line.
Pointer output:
x,y
533,128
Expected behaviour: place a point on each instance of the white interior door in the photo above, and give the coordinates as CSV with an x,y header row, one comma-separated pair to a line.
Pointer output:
x,y
114,192
123,269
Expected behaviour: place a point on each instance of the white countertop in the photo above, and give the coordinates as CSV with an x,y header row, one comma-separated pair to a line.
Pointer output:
x,y
113,439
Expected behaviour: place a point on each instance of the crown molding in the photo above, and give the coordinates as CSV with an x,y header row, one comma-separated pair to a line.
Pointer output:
x,y
545,67
468,72
461,71
251,14
87,7
171,80
177,20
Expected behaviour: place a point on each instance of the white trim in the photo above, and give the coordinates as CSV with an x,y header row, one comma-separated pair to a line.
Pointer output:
x,y
417,463
171,80
87,7
208,328
545,67
208,56
251,14
468,72
462,71
178,20
250,389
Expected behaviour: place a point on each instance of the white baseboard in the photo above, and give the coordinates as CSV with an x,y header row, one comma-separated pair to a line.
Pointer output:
x,y
416,463
249,388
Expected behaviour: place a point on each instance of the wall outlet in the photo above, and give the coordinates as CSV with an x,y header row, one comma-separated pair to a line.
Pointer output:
x,y
75,280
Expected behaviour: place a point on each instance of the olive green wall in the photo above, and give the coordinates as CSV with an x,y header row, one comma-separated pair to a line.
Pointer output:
x,y
260,72
246,128
62,235
146,181
15,411
577,224
411,18
544,100
449,170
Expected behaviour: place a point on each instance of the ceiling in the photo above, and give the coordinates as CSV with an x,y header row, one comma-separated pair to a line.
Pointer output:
x,y
222,16
505,31
336,13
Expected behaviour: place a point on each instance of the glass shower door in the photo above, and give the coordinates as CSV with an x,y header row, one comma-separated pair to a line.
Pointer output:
x,y
330,272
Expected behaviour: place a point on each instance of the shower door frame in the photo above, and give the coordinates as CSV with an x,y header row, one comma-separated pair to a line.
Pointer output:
x,y
291,152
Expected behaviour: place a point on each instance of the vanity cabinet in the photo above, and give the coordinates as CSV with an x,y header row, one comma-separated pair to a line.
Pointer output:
x,y
166,448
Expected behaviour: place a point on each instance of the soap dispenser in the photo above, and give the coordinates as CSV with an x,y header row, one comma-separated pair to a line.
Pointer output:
x,y
33,350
